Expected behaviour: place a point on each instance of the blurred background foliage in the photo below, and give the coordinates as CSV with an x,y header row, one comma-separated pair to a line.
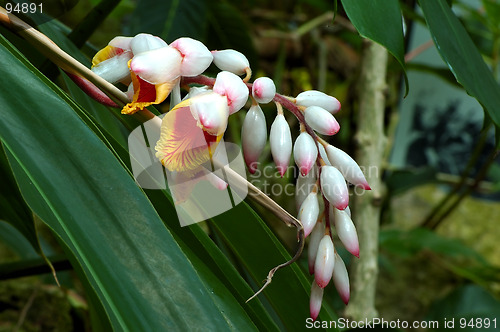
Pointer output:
x,y
434,264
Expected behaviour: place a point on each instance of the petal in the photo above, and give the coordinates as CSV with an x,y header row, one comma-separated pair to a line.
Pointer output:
x,y
158,66
253,136
196,57
114,69
183,145
144,42
146,94
304,186
321,120
305,152
211,112
121,42
333,187
347,166
229,85
280,139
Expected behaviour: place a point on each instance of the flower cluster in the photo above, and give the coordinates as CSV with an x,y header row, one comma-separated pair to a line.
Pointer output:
x,y
191,130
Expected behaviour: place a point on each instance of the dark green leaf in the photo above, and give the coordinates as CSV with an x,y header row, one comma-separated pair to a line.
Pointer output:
x,y
401,180
462,56
380,21
169,19
16,241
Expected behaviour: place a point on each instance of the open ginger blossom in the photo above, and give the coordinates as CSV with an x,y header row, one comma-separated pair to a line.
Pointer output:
x,y
194,126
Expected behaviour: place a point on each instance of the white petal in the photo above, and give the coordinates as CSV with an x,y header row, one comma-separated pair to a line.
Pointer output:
x,y
121,42
321,120
305,152
309,212
231,60
347,166
318,98
263,90
114,69
253,136
196,90
196,56
211,111
229,85
130,92
325,261
341,279
280,139
144,42
157,66
346,232
333,187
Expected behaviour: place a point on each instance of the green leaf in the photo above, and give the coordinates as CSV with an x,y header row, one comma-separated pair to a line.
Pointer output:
x,y
380,21
463,305
400,181
169,19
462,56
16,241
76,185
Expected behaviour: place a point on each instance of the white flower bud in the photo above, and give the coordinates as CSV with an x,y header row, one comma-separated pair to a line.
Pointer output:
x,y
347,166
280,139
231,60
305,152
321,120
346,232
314,239
341,279
315,300
309,212
263,90
304,186
253,136
157,66
211,112
325,261
318,98
333,187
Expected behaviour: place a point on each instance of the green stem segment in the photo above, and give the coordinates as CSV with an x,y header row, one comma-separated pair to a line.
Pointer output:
x,y
371,141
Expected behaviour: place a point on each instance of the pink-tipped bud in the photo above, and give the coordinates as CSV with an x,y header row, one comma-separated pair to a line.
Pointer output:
x,y
231,60
196,57
347,166
341,279
304,186
263,90
312,251
318,98
346,232
305,152
253,136
144,42
211,112
333,187
280,139
321,120
309,212
315,300
229,85
325,261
